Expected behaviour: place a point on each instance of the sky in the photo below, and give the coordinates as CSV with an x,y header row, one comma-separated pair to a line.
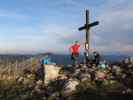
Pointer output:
x,y
39,26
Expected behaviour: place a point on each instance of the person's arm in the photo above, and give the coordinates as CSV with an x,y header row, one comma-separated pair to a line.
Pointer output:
x,y
78,45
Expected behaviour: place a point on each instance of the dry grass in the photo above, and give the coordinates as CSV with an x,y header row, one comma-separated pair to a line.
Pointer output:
x,y
9,71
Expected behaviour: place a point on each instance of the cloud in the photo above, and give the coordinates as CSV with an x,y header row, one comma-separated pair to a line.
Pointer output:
x,y
52,26
115,31
114,34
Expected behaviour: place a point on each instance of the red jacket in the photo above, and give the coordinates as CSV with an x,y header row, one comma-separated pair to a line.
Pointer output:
x,y
75,48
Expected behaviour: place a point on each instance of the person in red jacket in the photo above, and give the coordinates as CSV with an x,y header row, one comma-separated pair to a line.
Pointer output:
x,y
75,52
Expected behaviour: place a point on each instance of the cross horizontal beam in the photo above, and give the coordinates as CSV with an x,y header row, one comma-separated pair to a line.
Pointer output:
x,y
89,25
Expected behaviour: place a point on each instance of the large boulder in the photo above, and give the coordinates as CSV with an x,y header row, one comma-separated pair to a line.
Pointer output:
x,y
51,73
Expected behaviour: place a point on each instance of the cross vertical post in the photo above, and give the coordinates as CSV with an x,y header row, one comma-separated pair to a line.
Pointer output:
x,y
87,27
87,46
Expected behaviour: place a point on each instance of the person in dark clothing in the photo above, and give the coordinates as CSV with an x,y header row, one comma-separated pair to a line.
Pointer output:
x,y
96,57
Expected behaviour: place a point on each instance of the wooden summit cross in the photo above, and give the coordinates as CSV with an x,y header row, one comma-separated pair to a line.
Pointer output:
x,y
87,27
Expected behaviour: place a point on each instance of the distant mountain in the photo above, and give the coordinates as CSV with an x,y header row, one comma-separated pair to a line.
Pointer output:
x,y
13,57
114,57
66,59
58,58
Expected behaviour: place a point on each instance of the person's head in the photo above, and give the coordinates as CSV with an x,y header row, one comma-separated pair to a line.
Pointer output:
x,y
94,52
76,42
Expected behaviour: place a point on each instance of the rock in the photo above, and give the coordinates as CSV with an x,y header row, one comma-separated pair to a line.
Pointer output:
x,y
127,60
77,71
29,76
131,59
20,80
129,91
51,73
62,76
100,75
55,96
123,76
39,82
27,81
37,89
85,77
70,86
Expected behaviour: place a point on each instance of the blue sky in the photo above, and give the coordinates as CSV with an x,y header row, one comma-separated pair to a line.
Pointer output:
x,y
33,26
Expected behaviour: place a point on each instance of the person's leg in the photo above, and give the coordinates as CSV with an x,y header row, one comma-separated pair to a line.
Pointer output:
x,y
76,59
72,58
